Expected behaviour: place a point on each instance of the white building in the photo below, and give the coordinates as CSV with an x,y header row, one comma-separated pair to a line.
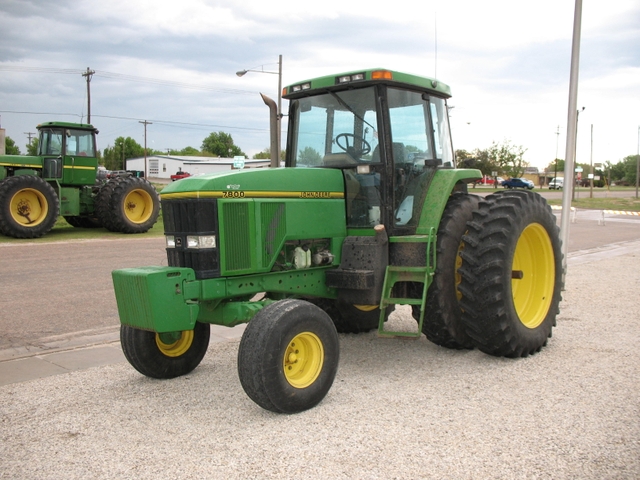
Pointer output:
x,y
163,166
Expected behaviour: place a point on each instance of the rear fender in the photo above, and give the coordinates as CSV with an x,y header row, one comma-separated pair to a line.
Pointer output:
x,y
444,183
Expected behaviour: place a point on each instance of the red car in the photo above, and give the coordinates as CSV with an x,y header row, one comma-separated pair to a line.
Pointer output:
x,y
179,175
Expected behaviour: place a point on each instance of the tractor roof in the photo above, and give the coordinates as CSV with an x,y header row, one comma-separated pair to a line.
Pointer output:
x,y
366,77
77,126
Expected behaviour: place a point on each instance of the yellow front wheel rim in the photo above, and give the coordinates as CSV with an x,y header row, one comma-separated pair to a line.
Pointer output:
x,y
303,360
29,207
366,308
138,206
177,348
533,275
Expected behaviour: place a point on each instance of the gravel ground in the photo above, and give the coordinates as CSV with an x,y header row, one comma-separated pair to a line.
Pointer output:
x,y
398,409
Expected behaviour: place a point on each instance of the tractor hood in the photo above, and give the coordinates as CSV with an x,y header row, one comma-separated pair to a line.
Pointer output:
x,y
260,183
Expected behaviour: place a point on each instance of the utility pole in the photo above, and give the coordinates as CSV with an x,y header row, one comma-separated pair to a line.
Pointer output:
x,y
89,73
29,135
145,123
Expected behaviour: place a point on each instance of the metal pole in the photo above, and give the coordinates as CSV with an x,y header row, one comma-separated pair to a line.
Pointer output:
x,y
591,160
571,135
638,162
280,115
555,172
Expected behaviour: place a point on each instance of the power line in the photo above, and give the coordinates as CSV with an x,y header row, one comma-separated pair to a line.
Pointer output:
x,y
161,122
130,78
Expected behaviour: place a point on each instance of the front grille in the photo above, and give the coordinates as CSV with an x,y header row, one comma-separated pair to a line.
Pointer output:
x,y
191,216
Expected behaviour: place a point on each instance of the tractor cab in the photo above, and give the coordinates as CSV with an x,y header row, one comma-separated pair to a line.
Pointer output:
x,y
69,152
387,132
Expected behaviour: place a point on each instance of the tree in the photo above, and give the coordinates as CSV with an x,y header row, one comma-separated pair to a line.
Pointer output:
x,y
266,154
189,151
630,168
10,147
115,157
478,159
309,156
32,148
221,144
556,166
508,158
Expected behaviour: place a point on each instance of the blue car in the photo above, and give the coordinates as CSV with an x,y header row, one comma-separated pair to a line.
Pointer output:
x,y
518,183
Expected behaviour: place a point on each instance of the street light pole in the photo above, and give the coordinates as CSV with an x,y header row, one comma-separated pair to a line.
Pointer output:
x,y
279,112
591,160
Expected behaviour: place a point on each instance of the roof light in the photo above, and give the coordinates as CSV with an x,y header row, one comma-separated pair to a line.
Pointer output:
x,y
354,77
381,75
302,86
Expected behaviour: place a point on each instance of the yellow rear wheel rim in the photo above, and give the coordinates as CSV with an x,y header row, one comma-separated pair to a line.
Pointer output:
x,y
303,360
138,206
29,207
177,348
533,275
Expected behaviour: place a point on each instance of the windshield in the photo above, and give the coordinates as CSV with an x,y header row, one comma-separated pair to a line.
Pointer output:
x,y
50,141
336,129
76,142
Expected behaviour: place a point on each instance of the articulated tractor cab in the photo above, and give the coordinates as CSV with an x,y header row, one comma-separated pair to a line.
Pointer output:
x,y
369,212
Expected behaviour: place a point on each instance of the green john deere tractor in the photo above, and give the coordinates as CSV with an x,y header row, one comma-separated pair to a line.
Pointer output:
x,y
63,180
369,212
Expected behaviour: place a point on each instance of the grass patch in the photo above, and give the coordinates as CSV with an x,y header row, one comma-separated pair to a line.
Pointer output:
x,y
629,204
62,232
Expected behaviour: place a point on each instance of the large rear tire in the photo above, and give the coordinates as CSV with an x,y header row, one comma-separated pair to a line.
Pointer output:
x,y
133,205
28,207
102,201
288,356
511,274
165,355
443,324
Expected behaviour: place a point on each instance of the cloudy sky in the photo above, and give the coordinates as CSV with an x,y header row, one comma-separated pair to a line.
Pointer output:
x,y
173,64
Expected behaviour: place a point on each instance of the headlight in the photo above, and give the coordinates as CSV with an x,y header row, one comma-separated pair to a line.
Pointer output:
x,y
201,241
171,241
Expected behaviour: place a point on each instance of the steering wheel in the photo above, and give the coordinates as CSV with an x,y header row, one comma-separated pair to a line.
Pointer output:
x,y
350,149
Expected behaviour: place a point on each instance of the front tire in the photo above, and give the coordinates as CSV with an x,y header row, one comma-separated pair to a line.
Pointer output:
x,y
165,355
28,207
511,275
288,356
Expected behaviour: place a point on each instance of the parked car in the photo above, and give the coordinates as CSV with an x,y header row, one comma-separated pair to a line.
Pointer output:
x,y
518,183
117,173
556,184
180,175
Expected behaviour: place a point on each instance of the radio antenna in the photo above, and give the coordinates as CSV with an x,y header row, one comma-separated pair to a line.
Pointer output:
x,y
435,67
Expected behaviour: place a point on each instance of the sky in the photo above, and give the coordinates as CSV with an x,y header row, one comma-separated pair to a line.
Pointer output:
x,y
173,64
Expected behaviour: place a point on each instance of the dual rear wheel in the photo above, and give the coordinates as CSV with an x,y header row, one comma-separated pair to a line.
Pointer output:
x,y
499,275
